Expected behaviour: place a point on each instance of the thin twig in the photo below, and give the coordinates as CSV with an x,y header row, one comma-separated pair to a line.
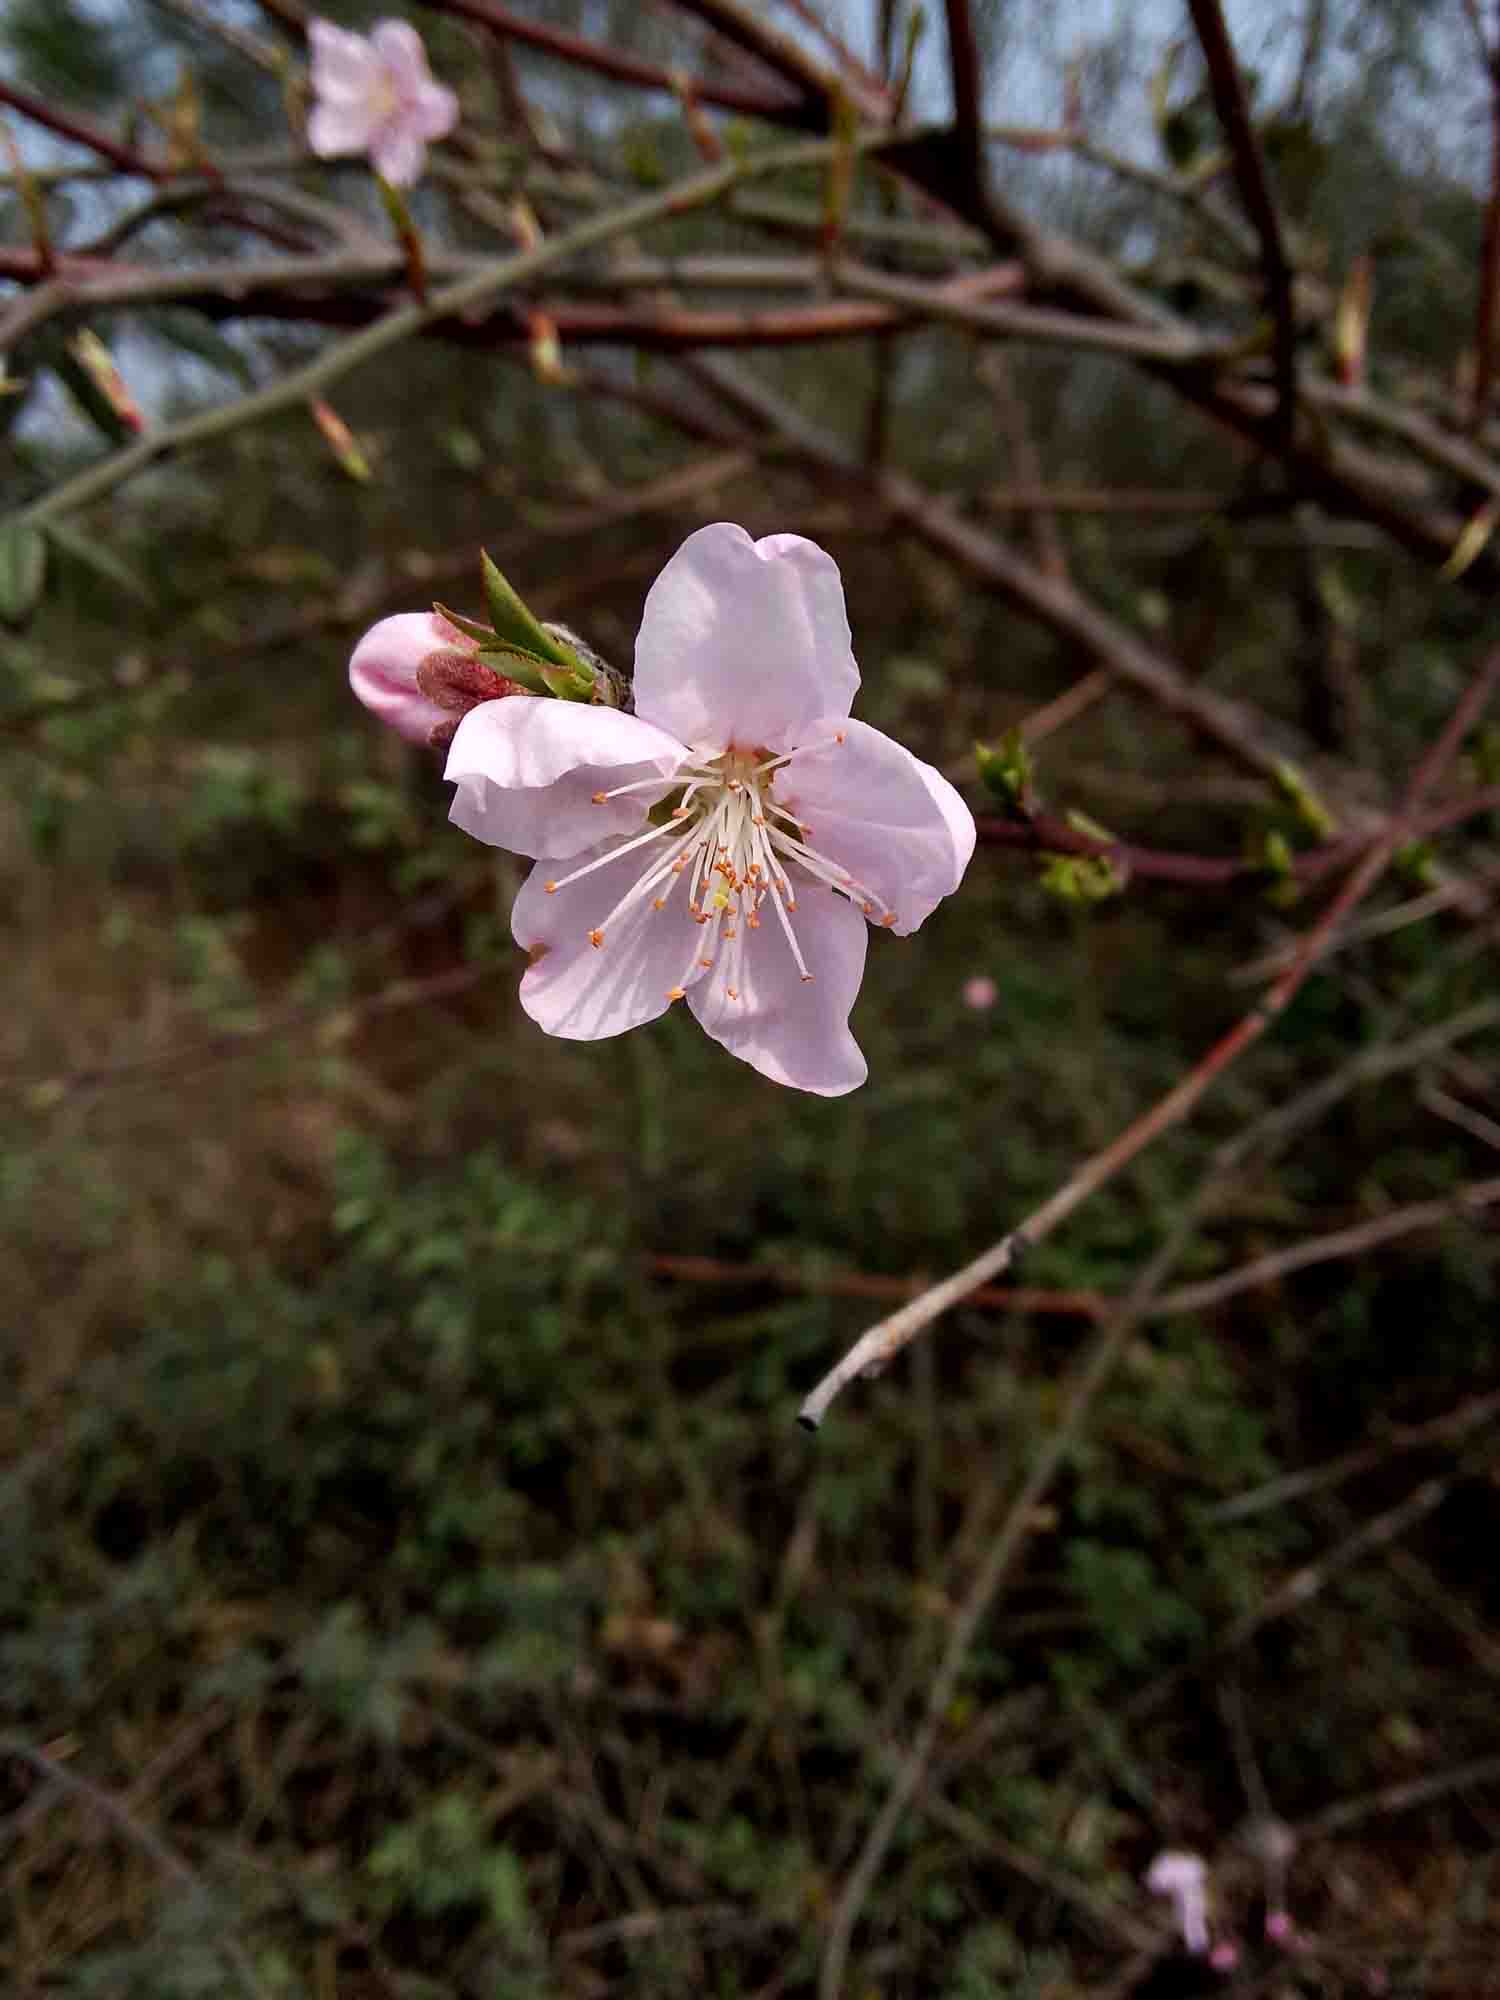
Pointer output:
x,y
1340,1243
619,67
1088,1378
140,1835
1458,1113
876,1348
1453,1424
1398,1798
477,289
1233,108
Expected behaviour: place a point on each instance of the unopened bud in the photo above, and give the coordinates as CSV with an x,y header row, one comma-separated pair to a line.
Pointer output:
x,y
341,441
95,359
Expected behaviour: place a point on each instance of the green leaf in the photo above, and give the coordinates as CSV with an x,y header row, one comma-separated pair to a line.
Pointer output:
x,y
93,555
514,624
23,570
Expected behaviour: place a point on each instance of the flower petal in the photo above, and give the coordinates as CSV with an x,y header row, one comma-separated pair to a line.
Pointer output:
x,y
894,823
744,642
342,64
433,111
794,1031
397,152
335,128
585,992
383,672
402,56
527,769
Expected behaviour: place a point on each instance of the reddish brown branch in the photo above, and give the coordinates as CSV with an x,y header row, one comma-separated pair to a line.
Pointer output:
x,y
1485,329
1233,108
964,70
69,125
876,1348
1042,834
871,1285
804,113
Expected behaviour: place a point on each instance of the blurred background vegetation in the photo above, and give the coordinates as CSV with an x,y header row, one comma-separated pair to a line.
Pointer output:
x,y
412,1584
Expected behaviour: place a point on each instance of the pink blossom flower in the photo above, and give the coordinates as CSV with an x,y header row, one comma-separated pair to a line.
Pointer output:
x,y
375,94
1225,1955
383,671
980,994
730,843
1183,1877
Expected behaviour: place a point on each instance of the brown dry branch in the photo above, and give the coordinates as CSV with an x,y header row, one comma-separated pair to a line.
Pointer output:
x,y
1233,108
1340,1243
876,1348
1398,1798
127,1823
1470,1416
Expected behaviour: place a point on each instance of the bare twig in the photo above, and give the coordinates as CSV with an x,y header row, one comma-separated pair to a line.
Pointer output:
x,y
1398,1798
1233,109
135,1830
1458,1113
876,1348
1340,1243
1446,1429
615,64
1088,1378
71,125
871,1285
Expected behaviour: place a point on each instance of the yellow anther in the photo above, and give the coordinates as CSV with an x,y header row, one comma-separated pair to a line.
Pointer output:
x,y
596,939
676,993
551,888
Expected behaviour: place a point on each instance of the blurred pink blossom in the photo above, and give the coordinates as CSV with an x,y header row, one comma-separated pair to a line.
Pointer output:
x,y
1225,1955
1183,1877
374,94
980,993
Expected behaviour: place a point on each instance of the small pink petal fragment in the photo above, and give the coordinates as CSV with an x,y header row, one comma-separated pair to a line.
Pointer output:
x,y
1183,1877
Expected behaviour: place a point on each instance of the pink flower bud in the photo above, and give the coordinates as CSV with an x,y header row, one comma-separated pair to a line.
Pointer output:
x,y
980,994
383,671
1225,1955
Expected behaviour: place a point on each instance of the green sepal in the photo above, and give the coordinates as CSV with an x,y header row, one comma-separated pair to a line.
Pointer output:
x,y
516,666
23,571
514,624
1081,878
1006,773
470,627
